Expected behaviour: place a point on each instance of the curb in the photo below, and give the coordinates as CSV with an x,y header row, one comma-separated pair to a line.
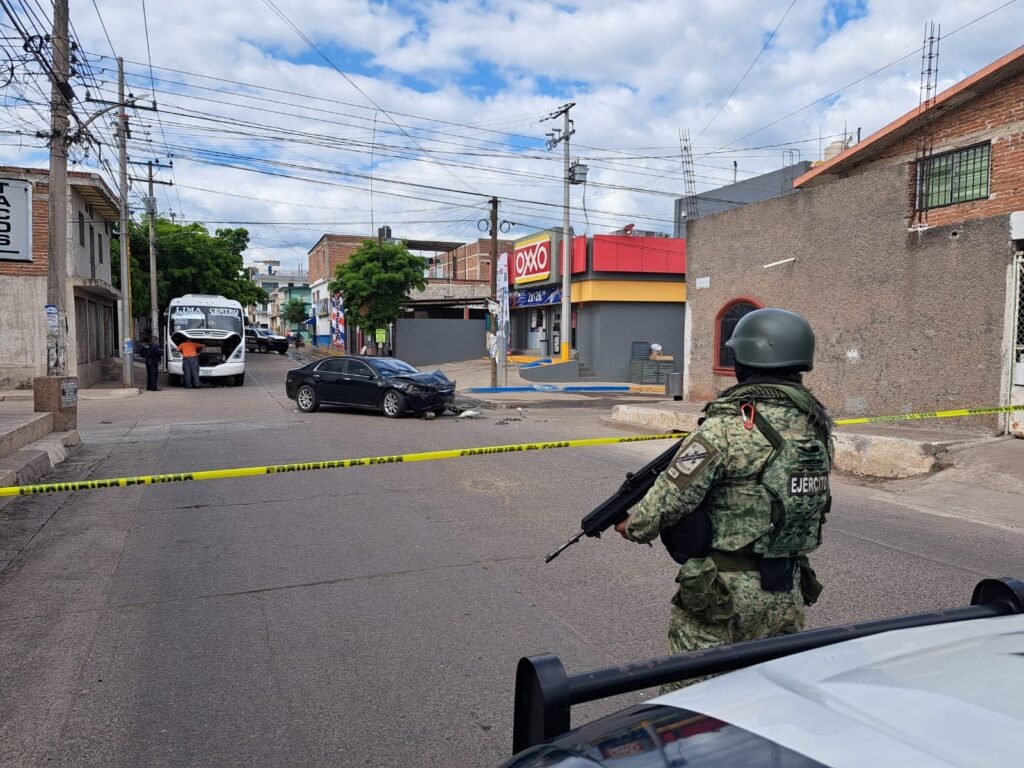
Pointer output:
x,y
877,456
645,388
36,460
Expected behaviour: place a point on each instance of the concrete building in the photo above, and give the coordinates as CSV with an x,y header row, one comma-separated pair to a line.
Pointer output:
x,y
91,301
281,284
294,288
752,190
900,252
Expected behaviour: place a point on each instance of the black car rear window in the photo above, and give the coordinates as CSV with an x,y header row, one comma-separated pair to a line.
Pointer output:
x,y
657,736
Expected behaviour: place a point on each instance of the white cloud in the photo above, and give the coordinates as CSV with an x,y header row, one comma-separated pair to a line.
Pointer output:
x,y
479,77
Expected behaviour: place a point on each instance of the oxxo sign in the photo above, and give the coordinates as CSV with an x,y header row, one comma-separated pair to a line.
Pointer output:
x,y
531,261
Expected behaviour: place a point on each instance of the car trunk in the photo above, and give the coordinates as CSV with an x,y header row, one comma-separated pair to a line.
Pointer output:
x,y
218,346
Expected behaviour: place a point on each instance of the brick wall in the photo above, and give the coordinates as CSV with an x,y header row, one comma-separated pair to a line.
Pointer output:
x,y
330,252
471,261
996,117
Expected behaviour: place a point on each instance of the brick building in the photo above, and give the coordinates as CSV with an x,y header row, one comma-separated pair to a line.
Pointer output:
x,y
91,299
899,251
471,261
330,252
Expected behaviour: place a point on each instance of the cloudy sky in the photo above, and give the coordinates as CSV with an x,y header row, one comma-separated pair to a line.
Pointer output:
x,y
298,118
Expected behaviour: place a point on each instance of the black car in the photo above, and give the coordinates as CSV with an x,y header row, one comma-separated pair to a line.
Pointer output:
x,y
264,340
380,383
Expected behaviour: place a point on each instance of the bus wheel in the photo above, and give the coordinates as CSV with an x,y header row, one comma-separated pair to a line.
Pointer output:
x,y
239,379
173,380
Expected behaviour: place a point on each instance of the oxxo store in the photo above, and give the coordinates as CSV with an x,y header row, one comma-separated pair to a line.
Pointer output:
x,y
626,288
535,295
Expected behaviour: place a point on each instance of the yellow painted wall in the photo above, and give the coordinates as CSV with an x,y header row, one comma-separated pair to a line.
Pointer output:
x,y
628,290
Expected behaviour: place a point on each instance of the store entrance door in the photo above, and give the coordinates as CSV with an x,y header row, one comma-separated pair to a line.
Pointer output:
x,y
538,335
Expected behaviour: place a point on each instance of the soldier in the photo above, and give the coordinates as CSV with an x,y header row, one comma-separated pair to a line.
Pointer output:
x,y
743,502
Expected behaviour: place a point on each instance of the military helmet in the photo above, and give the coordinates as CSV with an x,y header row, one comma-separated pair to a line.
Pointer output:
x,y
773,338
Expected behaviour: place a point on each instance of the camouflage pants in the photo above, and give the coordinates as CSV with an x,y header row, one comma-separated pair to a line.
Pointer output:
x,y
755,614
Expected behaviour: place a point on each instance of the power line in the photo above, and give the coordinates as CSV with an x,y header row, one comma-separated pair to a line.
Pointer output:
x,y
732,93
871,74
351,82
104,26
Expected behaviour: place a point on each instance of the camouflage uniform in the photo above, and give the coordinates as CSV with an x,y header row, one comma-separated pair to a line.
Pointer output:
x,y
716,470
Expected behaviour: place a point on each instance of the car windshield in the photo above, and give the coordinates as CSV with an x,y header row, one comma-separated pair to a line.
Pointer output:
x,y
219,318
265,332
394,368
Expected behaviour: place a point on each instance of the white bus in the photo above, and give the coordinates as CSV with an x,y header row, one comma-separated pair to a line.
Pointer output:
x,y
216,323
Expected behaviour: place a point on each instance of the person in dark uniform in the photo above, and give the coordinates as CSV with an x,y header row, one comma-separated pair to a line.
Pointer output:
x,y
152,354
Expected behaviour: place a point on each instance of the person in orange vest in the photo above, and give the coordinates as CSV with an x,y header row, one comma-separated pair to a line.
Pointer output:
x,y
190,362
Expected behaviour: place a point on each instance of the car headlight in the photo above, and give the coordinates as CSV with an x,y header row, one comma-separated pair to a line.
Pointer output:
x,y
412,389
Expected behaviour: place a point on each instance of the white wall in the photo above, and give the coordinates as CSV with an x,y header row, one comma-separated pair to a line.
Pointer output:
x,y
23,341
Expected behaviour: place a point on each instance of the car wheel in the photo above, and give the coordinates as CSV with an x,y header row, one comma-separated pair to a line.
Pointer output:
x,y
393,404
306,399
282,351
239,379
262,347
439,411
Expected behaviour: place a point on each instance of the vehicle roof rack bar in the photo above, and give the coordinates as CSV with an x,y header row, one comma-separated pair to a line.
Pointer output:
x,y
545,694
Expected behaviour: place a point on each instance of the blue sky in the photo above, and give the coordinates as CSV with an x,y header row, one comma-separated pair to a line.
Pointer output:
x,y
432,107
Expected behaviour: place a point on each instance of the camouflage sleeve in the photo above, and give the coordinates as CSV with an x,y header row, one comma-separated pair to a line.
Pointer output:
x,y
682,486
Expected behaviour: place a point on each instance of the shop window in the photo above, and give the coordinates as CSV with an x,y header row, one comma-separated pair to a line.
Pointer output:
x,y
954,177
725,324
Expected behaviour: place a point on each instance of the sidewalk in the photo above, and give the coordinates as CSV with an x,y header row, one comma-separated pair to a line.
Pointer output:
x,y
879,451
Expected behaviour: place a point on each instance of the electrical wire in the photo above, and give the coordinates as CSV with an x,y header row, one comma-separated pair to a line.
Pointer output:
x,y
736,87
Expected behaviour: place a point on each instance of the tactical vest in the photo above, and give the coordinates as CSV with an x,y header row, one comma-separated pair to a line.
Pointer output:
x,y
796,477
777,511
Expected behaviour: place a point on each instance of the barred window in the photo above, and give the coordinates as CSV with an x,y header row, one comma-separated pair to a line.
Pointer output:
x,y
725,324
954,177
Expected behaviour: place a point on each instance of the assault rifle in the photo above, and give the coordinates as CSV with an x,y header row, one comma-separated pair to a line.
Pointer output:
x,y
615,508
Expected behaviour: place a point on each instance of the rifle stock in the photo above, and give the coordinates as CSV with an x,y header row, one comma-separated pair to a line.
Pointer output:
x,y
615,508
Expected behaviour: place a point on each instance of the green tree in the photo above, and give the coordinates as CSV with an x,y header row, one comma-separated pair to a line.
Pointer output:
x,y
294,311
375,282
188,260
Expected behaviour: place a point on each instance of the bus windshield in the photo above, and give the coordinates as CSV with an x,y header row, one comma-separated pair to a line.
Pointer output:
x,y
184,318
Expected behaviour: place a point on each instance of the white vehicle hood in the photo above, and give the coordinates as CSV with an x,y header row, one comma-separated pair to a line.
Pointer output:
x,y
944,695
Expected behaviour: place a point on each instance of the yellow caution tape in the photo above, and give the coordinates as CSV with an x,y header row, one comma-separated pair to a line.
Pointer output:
x,y
223,474
932,415
407,458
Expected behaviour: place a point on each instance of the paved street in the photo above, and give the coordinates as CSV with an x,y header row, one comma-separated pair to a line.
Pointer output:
x,y
370,616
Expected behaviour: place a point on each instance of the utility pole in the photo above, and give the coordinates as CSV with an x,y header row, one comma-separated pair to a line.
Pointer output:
x,y
498,338
57,269
554,138
127,351
154,311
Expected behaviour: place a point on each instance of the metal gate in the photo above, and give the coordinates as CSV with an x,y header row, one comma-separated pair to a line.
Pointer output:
x,y
1015,424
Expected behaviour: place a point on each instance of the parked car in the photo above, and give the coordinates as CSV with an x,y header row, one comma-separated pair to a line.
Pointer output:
x,y
380,383
933,689
264,340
